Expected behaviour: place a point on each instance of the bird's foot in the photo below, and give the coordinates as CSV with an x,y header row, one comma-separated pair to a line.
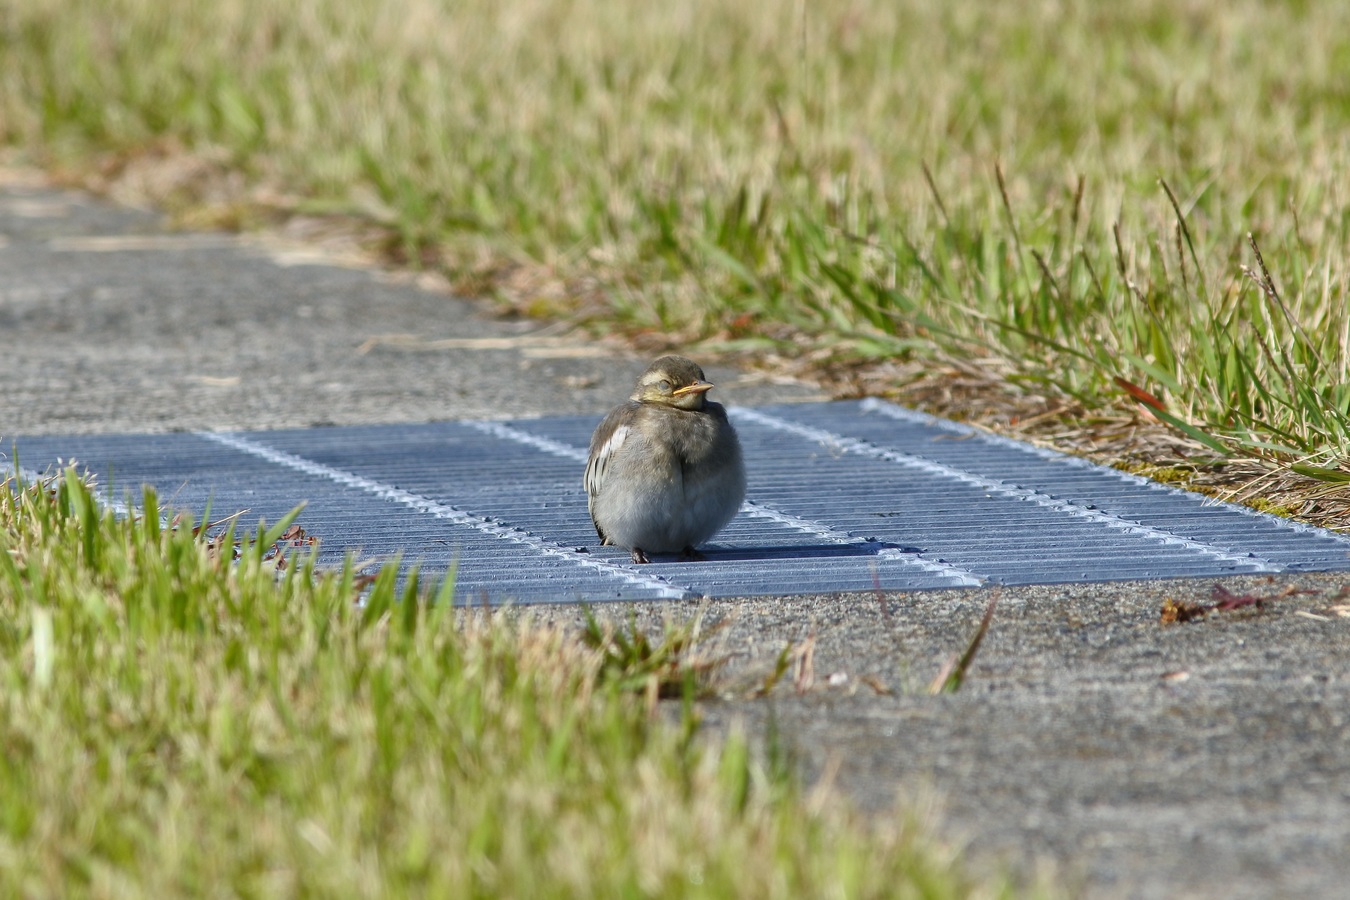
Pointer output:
x,y
639,556
689,554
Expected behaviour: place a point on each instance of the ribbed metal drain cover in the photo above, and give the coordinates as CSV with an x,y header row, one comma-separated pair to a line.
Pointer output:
x,y
843,497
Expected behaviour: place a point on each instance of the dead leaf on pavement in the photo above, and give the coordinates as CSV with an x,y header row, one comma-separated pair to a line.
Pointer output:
x,y
1178,611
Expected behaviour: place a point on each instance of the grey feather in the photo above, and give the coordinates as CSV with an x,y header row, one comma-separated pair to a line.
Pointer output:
x,y
665,471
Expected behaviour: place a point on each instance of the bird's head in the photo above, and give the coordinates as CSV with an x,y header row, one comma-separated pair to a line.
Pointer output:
x,y
673,381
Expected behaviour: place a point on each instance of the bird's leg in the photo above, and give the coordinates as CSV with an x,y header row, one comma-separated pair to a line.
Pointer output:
x,y
639,556
689,554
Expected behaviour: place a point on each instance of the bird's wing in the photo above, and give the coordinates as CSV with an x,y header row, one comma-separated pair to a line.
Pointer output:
x,y
601,456
608,438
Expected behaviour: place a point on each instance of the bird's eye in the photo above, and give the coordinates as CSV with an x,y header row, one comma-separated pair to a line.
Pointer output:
x,y
664,386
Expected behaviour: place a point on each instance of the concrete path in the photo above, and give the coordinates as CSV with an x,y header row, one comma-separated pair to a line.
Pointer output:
x,y
112,324
1136,760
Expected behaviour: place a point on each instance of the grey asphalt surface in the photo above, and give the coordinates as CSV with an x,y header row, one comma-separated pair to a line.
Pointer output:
x,y
1132,759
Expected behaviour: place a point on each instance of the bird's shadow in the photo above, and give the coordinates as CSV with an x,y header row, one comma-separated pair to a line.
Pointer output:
x,y
715,553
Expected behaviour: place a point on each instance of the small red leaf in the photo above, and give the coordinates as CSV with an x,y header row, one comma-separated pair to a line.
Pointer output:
x,y
1139,394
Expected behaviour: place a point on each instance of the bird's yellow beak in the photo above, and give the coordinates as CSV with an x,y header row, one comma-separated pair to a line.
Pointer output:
x,y
698,387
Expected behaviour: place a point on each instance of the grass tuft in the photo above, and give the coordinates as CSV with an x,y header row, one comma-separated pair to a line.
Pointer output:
x,y
175,722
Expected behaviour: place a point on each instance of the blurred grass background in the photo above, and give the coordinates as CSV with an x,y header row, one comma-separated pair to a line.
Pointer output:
x,y
1061,190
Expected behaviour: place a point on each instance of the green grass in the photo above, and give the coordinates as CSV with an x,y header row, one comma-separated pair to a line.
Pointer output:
x,y
175,723
1063,186
1066,187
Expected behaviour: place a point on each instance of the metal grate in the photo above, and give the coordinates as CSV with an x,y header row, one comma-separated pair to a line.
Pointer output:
x,y
843,497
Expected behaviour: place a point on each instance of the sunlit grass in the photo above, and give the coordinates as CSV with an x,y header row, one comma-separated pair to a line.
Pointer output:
x,y
1066,186
176,723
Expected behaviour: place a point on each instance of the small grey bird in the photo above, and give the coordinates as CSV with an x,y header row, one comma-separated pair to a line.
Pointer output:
x,y
665,471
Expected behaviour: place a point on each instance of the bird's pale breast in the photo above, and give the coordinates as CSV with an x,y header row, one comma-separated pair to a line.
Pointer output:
x,y
672,480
